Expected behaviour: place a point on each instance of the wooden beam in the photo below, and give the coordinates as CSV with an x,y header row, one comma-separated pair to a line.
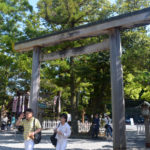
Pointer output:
x,y
35,81
147,132
118,104
76,51
93,29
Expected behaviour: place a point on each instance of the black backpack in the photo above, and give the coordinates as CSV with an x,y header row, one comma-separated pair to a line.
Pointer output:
x,y
37,136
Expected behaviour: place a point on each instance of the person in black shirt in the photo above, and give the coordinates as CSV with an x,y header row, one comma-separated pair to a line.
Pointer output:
x,y
95,126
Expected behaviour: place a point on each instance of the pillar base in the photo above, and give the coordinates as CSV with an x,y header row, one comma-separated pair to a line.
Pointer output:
x,y
147,145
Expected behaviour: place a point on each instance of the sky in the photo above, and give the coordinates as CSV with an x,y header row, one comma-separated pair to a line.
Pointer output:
x,y
34,2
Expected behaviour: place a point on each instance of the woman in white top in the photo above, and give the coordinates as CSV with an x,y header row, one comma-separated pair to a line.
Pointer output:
x,y
108,126
63,132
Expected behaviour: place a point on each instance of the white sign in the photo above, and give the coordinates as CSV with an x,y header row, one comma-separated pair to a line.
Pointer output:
x,y
132,121
69,117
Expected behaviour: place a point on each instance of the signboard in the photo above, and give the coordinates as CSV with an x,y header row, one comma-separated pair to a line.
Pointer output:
x,y
42,105
69,117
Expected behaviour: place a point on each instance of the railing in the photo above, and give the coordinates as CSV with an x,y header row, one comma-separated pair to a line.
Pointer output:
x,y
82,127
85,127
140,129
50,124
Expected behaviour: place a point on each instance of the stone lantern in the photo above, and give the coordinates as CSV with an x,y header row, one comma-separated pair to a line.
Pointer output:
x,y
146,114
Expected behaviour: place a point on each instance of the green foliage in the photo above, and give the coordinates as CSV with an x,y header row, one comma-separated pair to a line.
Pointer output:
x,y
75,74
125,6
84,80
14,68
64,14
136,63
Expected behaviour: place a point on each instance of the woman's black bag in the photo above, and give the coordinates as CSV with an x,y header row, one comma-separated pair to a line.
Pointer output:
x,y
53,138
37,136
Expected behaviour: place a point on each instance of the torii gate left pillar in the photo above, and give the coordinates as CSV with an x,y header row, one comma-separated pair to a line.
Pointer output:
x,y
35,81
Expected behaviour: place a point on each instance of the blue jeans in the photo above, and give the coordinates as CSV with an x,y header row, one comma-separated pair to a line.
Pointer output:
x,y
108,130
29,144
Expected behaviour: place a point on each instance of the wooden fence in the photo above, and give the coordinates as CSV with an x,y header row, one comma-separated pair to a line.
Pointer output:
x,y
82,127
52,124
85,127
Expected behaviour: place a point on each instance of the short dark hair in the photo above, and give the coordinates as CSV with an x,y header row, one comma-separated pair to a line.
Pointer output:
x,y
96,115
63,115
29,110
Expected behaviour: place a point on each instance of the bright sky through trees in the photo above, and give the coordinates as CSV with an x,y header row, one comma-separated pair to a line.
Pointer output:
x,y
34,2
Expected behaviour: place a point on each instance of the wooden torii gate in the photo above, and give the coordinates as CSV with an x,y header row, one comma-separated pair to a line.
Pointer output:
x,y
111,27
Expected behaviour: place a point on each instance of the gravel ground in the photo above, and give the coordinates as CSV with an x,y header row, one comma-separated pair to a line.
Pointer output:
x,y
12,141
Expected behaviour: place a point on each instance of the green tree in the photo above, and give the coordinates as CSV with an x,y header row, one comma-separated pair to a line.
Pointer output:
x,y
135,53
136,65
64,14
125,6
14,68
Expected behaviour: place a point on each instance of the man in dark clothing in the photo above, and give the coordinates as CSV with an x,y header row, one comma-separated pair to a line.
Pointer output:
x,y
95,125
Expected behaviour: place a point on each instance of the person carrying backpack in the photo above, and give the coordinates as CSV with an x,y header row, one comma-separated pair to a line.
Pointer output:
x,y
29,123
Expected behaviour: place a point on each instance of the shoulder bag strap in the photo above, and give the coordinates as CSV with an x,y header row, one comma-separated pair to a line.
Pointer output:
x,y
34,124
108,120
58,125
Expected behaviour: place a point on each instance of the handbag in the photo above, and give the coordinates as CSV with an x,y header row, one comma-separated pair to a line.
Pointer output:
x,y
53,138
37,136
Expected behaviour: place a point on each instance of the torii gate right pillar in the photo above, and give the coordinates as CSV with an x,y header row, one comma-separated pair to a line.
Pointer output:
x,y
118,104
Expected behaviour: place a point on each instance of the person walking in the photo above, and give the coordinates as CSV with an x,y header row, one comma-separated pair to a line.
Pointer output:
x,y
9,122
95,125
13,121
4,120
63,132
28,124
107,125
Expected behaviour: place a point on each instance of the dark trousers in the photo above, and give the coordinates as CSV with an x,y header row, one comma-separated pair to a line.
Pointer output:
x,y
95,132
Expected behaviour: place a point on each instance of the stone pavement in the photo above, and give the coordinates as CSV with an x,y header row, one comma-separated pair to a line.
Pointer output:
x,y
10,141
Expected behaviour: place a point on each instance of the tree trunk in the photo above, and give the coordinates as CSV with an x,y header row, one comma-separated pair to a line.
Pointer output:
x,y
83,118
58,105
74,112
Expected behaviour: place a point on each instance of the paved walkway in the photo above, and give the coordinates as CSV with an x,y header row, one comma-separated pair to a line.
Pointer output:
x,y
10,141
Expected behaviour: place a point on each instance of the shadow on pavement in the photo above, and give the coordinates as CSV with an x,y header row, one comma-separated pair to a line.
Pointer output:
x,y
83,149
108,147
9,148
18,138
134,140
5,138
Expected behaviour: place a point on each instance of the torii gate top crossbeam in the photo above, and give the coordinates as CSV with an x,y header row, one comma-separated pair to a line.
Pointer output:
x,y
129,20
